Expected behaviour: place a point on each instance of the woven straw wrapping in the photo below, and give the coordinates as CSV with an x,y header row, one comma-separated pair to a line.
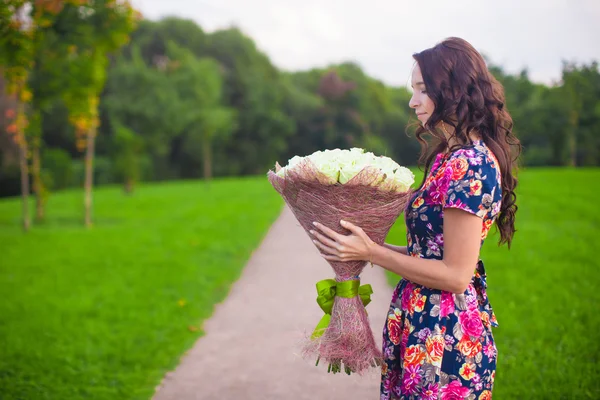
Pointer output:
x,y
348,341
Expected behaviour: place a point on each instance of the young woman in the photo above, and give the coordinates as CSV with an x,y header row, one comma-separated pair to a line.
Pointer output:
x,y
437,340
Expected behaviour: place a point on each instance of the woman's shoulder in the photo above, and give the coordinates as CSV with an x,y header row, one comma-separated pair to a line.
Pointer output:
x,y
474,180
477,157
476,153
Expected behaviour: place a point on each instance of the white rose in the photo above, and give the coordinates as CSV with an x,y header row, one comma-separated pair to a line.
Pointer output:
x,y
281,172
386,164
331,170
347,159
294,161
292,164
404,179
334,152
327,164
369,158
388,184
349,171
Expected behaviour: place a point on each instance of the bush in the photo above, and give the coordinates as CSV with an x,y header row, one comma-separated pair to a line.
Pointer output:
x,y
57,165
103,172
146,167
537,156
10,181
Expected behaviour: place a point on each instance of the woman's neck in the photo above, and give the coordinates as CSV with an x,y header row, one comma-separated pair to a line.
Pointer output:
x,y
452,139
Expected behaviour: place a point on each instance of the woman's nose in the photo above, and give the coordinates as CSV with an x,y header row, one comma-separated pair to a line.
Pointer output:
x,y
413,102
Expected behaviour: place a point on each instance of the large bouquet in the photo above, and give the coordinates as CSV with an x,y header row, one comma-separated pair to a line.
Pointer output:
x,y
368,191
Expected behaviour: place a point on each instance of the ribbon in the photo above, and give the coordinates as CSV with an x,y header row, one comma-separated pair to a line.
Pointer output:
x,y
328,289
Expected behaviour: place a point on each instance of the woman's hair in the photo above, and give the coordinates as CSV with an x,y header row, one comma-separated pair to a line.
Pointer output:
x,y
468,98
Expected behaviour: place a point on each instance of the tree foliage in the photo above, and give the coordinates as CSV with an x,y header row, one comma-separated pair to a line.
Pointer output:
x,y
180,102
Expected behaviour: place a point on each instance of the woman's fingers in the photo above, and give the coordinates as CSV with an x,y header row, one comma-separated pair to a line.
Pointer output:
x,y
325,240
324,248
351,227
331,258
329,232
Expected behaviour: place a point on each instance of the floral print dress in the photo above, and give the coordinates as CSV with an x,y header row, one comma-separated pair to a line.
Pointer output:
x,y
436,344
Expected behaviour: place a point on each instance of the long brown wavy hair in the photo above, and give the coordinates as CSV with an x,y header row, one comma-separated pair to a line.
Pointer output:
x,y
470,99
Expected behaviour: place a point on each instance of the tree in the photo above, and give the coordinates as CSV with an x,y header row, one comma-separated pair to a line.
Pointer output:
x,y
253,87
45,83
95,30
151,38
127,148
581,88
302,105
202,116
16,53
141,99
20,26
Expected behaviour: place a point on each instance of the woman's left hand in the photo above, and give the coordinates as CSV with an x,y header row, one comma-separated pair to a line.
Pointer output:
x,y
337,247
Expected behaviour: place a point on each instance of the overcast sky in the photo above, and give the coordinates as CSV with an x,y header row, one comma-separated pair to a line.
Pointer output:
x,y
381,35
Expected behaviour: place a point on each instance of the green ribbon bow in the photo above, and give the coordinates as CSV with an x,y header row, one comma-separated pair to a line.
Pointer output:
x,y
328,289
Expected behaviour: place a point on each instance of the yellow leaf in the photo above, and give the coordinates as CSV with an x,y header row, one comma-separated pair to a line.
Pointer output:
x,y
26,96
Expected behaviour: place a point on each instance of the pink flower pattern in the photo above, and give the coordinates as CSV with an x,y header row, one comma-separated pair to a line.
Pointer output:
x,y
454,391
430,391
446,304
470,322
411,379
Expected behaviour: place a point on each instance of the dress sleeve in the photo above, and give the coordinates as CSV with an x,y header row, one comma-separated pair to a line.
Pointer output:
x,y
473,183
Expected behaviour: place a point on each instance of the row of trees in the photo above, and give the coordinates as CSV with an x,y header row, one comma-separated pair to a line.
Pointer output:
x,y
56,51
182,103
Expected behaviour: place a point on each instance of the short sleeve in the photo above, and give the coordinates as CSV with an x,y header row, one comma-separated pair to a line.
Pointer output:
x,y
474,183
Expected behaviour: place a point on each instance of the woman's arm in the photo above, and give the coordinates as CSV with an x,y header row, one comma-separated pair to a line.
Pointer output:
x,y
462,239
398,249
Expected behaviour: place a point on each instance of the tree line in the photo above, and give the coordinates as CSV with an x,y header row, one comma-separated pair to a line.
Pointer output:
x,y
159,100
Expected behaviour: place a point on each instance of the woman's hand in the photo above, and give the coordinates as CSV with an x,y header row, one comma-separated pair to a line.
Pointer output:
x,y
337,247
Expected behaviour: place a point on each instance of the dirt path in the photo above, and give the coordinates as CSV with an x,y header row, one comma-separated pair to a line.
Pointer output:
x,y
250,350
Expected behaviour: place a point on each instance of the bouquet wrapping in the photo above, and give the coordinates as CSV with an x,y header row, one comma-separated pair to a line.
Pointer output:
x,y
368,191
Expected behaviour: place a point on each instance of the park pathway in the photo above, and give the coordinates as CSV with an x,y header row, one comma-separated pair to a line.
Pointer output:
x,y
251,343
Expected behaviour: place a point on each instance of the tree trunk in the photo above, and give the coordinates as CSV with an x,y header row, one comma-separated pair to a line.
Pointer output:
x,y
37,180
128,187
572,139
89,175
24,179
207,159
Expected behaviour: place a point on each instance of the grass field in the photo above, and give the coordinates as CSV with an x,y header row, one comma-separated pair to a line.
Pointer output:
x,y
546,290
104,313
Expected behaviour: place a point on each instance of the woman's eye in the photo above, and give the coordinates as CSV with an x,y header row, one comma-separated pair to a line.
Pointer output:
x,y
424,91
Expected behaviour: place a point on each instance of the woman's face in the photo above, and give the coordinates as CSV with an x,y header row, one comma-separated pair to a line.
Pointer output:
x,y
420,101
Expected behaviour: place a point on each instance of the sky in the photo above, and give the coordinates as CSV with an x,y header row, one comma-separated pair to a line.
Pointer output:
x,y
382,35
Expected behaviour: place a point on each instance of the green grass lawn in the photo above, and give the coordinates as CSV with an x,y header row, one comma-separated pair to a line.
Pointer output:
x,y
104,313
546,290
